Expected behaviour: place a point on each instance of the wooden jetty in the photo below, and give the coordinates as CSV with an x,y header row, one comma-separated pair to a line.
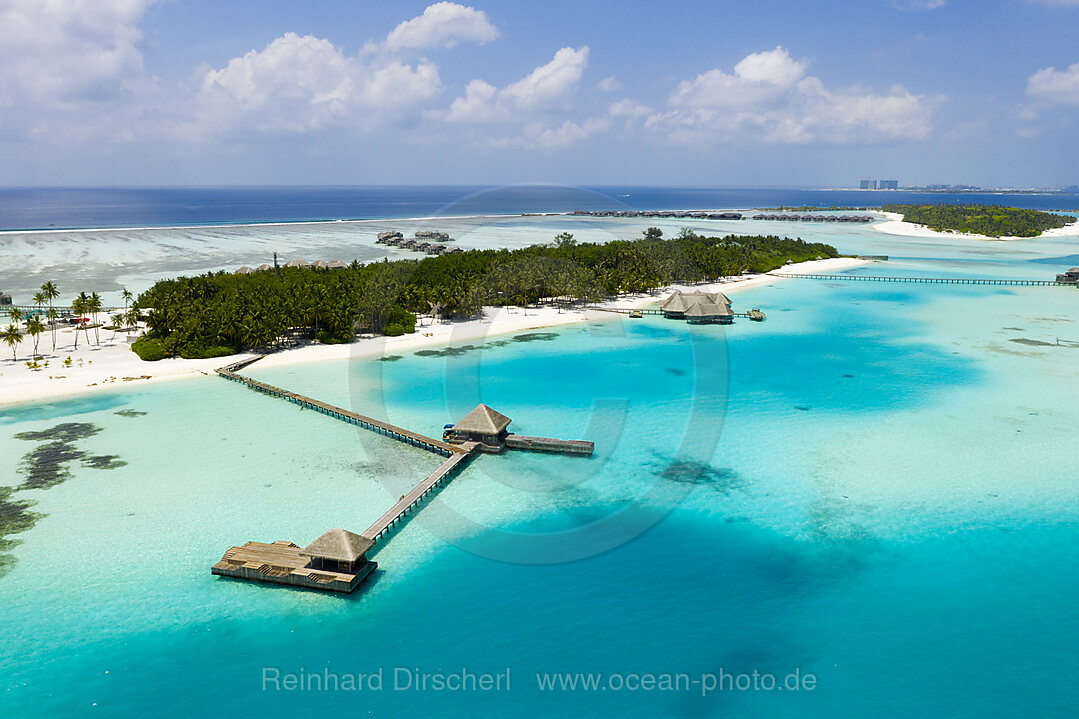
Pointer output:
x,y
927,280
337,561
548,444
411,500
385,428
755,315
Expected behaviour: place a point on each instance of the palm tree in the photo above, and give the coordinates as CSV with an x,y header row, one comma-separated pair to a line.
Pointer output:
x,y
78,306
52,315
34,328
16,314
51,293
93,305
13,337
126,294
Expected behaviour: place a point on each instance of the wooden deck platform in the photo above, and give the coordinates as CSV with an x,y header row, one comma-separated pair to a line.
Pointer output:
x,y
547,444
281,563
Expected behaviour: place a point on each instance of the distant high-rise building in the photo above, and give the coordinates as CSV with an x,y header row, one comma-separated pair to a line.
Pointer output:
x,y
867,185
889,184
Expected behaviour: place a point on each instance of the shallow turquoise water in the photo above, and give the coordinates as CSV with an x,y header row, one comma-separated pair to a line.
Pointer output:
x,y
875,486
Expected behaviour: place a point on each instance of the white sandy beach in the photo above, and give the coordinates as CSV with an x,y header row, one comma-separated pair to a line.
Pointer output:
x,y
896,226
112,364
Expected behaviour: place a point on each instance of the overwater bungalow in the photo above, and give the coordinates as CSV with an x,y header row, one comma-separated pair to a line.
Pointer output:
x,y
1070,277
421,246
336,561
385,237
709,313
436,249
406,244
482,425
5,298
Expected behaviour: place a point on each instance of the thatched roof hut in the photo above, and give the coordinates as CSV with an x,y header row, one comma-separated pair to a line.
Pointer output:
x,y
297,263
263,268
245,270
338,550
703,312
320,264
336,265
483,420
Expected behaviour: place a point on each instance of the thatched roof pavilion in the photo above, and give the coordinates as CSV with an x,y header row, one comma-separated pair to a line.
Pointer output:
x,y
245,270
263,268
297,263
336,265
338,550
320,264
483,425
707,312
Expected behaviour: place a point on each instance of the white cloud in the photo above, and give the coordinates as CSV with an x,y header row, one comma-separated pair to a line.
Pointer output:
x,y
769,97
918,5
1055,87
1056,2
73,51
549,83
443,24
545,88
609,84
758,78
299,83
628,108
566,134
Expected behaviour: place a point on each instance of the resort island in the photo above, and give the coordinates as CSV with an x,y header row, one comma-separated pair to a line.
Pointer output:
x,y
983,220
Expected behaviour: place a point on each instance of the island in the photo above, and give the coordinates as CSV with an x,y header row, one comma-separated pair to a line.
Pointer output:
x,y
220,313
987,220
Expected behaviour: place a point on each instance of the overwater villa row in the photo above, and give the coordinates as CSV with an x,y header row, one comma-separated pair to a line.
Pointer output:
x,y
678,214
815,218
317,264
419,244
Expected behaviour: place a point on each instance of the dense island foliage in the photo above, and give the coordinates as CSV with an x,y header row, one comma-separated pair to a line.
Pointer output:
x,y
988,220
219,313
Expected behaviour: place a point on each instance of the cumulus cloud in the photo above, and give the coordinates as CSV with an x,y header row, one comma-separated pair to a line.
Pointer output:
x,y
1052,87
299,83
546,87
769,97
628,108
566,134
444,24
918,5
57,52
609,84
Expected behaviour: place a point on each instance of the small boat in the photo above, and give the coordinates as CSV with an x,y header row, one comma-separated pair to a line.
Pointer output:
x,y
636,314
756,315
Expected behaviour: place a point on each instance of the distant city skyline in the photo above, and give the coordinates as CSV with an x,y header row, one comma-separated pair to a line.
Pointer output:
x,y
149,92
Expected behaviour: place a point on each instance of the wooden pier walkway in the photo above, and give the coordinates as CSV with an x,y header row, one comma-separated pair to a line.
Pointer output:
x,y
656,312
409,501
928,280
375,425
548,444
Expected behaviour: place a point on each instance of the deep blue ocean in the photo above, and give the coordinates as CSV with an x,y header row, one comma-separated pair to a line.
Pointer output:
x,y
70,208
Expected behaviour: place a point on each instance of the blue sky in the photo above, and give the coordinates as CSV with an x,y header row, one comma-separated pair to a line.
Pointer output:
x,y
131,92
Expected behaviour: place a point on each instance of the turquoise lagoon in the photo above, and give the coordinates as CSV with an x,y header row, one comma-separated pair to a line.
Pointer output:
x,y
876,486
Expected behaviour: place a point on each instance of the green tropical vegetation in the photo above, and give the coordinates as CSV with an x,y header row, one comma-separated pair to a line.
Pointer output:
x,y
988,220
220,313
